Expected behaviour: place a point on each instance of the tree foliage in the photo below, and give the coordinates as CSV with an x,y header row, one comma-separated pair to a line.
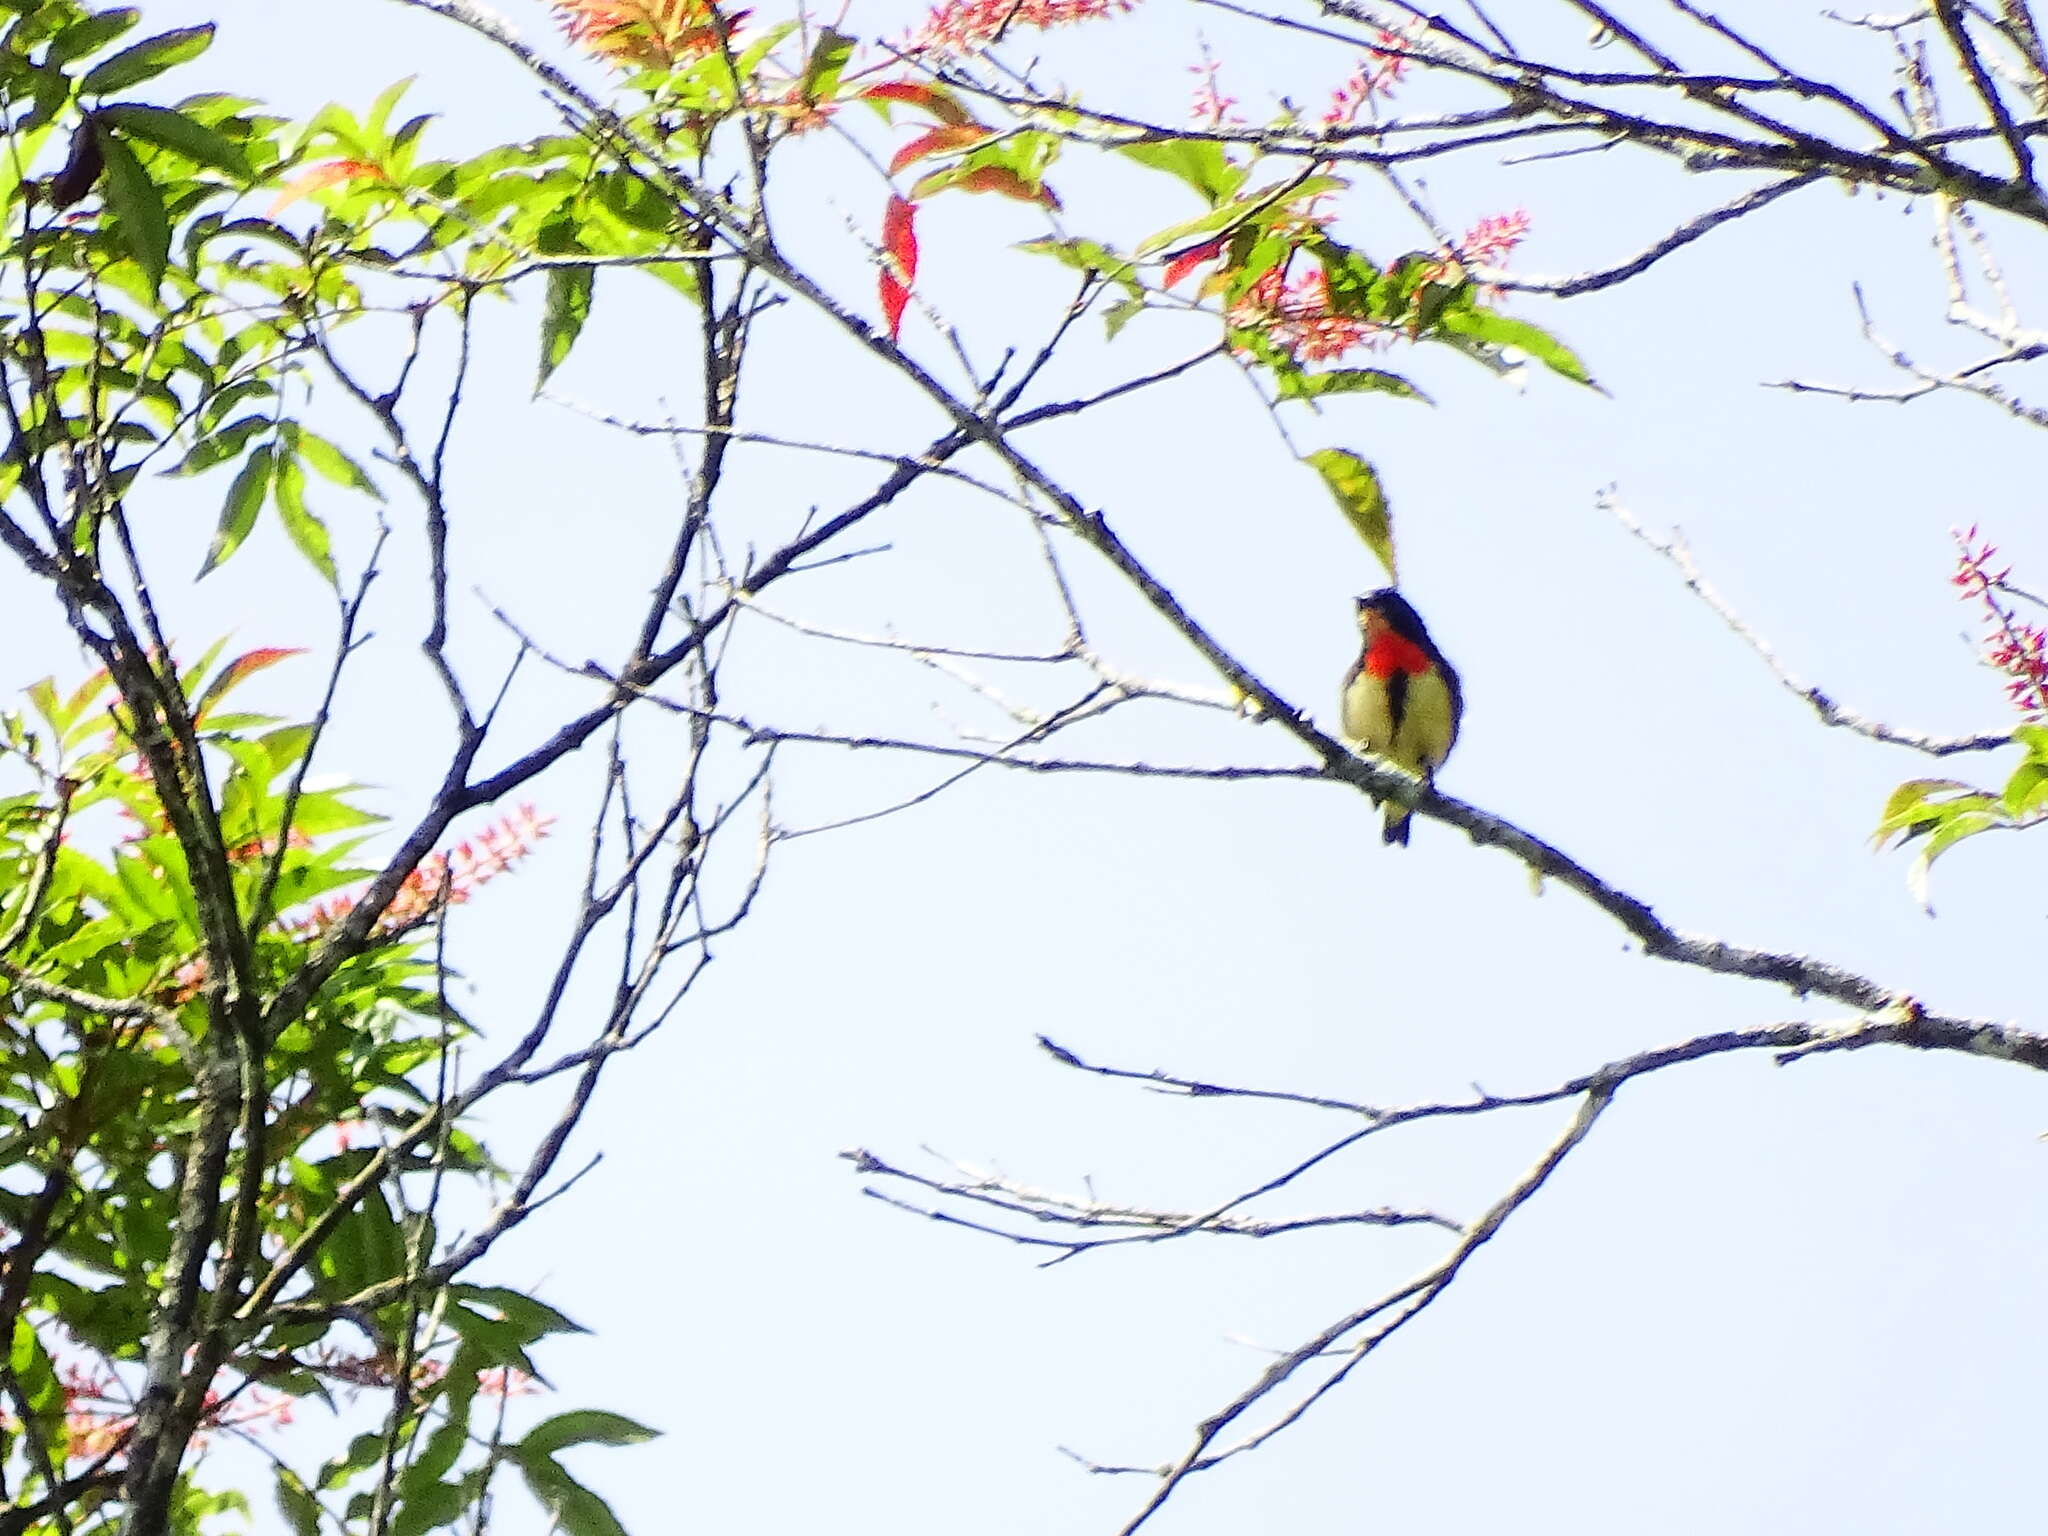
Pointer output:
x,y
244,1167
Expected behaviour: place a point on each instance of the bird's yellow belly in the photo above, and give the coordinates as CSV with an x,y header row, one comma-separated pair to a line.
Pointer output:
x,y
1421,739
1366,718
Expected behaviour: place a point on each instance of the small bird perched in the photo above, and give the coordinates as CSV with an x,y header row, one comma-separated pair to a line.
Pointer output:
x,y
1401,697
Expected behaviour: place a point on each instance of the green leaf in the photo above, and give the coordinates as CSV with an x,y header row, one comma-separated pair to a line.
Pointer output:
x,y
83,38
1243,211
380,112
177,132
825,65
2027,790
678,275
367,1247
1198,162
1347,381
1917,806
588,1426
364,1452
143,225
220,446
428,1507
433,1461
403,138
243,667
570,289
238,513
147,59
1119,315
1350,278
534,1319
330,463
576,1510
33,1371
1261,348
1952,831
43,694
297,1504
1498,330
759,46
1356,486
635,202
1085,256
491,1341
301,525
1258,257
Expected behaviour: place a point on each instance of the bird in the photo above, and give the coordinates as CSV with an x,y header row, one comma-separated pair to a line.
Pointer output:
x,y
1401,697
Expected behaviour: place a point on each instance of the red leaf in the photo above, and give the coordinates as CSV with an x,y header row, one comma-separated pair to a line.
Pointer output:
x,y
935,101
999,179
241,667
899,260
319,177
938,141
1190,259
894,297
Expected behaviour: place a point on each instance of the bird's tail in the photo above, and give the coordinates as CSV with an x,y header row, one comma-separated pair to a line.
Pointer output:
x,y
1395,828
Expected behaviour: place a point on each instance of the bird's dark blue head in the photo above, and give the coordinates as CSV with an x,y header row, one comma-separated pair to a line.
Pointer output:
x,y
1400,617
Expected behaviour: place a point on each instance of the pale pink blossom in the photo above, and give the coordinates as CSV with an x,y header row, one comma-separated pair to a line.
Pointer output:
x,y
963,26
1211,108
1376,75
1298,318
1489,242
2017,649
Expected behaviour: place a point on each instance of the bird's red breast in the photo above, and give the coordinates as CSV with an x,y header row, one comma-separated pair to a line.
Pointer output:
x,y
1389,653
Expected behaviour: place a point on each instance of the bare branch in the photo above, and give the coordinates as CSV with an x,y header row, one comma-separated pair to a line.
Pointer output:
x,y
1830,713
1684,235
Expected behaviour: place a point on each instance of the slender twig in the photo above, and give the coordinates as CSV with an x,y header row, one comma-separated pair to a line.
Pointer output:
x,y
1674,549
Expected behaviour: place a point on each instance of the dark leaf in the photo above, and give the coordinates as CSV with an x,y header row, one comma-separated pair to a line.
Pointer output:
x,y
825,65
138,206
576,1510
147,59
88,36
589,1426
175,131
238,512
1347,381
81,170
298,1506
570,289
1498,330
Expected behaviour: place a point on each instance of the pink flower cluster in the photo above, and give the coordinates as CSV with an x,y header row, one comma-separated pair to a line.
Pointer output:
x,y
380,1370
963,26
1297,317
1296,314
652,33
2017,649
1210,107
455,874
98,1420
1376,75
1489,242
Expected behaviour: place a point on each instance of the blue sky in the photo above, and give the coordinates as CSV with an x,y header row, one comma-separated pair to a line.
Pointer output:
x,y
1770,1299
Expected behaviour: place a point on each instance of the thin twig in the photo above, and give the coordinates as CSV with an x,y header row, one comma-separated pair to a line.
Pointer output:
x,y
1830,713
